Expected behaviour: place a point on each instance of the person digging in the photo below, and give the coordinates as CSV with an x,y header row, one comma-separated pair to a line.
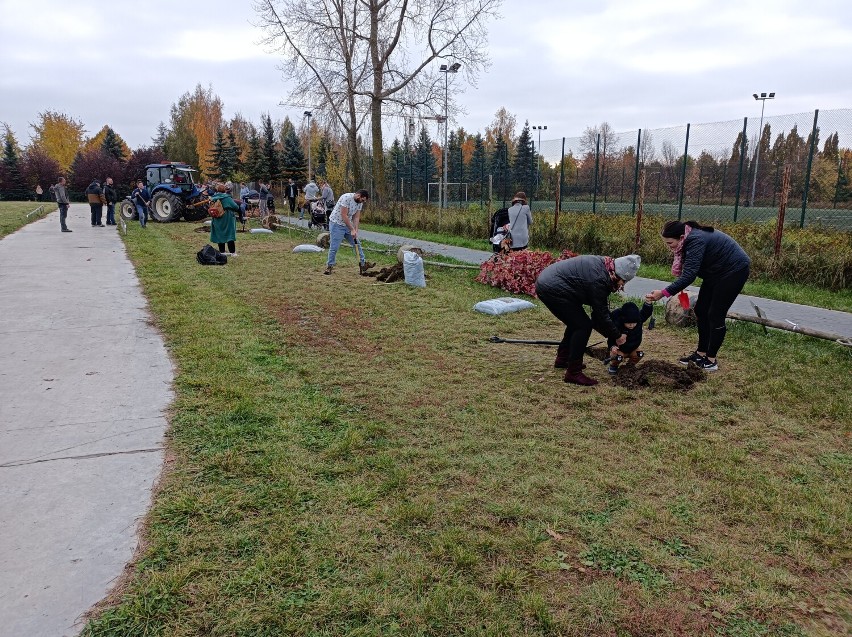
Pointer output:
x,y
566,286
628,319
343,224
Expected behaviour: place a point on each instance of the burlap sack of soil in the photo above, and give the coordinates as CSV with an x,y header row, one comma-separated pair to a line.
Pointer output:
x,y
676,315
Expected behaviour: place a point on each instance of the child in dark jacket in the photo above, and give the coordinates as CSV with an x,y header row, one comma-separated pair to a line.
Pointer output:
x,y
629,319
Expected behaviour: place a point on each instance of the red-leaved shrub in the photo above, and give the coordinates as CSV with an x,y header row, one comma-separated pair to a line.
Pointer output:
x,y
517,272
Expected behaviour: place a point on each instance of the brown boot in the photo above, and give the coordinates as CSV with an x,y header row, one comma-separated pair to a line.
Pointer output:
x,y
365,266
574,374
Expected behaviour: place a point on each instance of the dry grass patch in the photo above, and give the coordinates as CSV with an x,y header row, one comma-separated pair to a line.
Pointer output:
x,y
355,458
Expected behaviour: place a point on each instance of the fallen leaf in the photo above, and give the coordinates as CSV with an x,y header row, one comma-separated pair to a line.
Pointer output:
x,y
554,534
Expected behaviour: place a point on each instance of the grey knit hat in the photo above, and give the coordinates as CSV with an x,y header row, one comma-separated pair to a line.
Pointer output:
x,y
627,267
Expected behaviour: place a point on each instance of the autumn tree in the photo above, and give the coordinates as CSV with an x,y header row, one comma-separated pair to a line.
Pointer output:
x,y
39,169
379,53
110,142
58,135
194,120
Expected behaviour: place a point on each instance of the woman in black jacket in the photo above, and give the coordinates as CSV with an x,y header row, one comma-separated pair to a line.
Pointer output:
x,y
566,286
701,251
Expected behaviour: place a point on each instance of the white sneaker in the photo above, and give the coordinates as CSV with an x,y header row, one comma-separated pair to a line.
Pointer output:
x,y
231,254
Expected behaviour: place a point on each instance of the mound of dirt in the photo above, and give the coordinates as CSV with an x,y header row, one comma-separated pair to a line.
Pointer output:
x,y
390,274
658,375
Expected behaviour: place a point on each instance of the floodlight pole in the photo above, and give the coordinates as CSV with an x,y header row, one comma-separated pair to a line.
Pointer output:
x,y
538,158
453,68
763,97
308,115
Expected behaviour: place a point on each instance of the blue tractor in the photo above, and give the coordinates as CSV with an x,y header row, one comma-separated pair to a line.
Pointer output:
x,y
174,194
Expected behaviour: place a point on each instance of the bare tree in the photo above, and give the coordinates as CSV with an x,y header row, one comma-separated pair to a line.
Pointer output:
x,y
355,59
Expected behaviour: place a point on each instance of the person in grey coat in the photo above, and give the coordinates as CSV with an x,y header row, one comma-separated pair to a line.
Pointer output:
x,y
62,200
566,286
701,251
520,220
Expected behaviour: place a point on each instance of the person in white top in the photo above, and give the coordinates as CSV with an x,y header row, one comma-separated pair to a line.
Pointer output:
x,y
343,224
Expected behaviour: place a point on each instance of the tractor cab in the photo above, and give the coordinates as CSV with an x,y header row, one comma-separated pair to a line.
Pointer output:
x,y
173,175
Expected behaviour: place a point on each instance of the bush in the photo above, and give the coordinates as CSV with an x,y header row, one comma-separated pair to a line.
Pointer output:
x,y
517,272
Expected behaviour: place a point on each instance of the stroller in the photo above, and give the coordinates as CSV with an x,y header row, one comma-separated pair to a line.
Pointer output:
x,y
318,215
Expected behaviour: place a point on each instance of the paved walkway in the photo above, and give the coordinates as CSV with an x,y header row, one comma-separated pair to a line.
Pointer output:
x,y
831,321
83,388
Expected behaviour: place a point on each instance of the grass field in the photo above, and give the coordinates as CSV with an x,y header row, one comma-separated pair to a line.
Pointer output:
x,y
778,290
13,214
353,458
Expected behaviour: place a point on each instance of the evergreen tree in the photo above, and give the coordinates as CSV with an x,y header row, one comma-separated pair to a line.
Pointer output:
x,y
395,162
293,160
477,169
524,165
12,184
424,166
232,151
501,169
112,145
255,164
323,149
270,153
159,140
217,157
455,162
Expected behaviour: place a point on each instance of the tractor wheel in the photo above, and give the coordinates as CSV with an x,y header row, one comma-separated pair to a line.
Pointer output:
x,y
165,207
127,210
195,213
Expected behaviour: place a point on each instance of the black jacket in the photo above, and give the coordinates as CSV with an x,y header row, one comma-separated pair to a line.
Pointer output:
x,y
634,336
110,193
292,191
709,255
585,281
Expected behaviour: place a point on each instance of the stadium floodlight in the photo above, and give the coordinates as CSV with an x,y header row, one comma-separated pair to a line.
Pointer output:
x,y
538,153
308,114
762,99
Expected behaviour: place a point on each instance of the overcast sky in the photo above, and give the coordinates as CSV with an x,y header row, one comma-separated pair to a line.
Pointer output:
x,y
566,64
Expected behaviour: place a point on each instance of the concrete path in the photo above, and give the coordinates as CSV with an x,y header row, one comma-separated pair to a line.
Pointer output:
x,y
832,321
83,388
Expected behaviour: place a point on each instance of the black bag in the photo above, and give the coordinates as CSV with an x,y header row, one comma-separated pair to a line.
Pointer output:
x,y
208,255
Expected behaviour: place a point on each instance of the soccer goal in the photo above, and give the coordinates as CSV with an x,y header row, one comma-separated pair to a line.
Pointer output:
x,y
456,193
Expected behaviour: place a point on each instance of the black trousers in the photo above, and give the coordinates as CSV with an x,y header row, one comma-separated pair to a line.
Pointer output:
x,y
97,213
292,201
232,247
715,298
578,325
63,215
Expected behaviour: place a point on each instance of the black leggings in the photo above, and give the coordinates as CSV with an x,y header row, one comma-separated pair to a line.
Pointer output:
x,y
578,325
715,298
232,247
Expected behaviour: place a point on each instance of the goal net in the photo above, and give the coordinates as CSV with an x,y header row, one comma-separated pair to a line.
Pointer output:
x,y
456,192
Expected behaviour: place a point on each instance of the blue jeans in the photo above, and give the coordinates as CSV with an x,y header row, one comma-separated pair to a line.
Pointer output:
x,y
110,214
338,234
143,214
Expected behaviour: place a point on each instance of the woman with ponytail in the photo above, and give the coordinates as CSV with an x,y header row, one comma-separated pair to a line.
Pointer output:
x,y
701,251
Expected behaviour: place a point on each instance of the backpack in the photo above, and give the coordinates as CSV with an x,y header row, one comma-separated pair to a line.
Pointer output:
x,y
208,255
216,209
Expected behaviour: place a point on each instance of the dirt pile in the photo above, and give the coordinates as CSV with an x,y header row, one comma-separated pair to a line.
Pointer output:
x,y
391,274
658,375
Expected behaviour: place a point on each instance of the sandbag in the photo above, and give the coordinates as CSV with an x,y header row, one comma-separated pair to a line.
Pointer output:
x,y
260,231
503,305
307,247
412,266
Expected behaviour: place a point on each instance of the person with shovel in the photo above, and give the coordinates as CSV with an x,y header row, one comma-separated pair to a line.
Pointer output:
x,y
701,251
566,286
343,224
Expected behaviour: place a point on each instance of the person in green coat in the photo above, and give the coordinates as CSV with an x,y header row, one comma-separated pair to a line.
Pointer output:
x,y
224,229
